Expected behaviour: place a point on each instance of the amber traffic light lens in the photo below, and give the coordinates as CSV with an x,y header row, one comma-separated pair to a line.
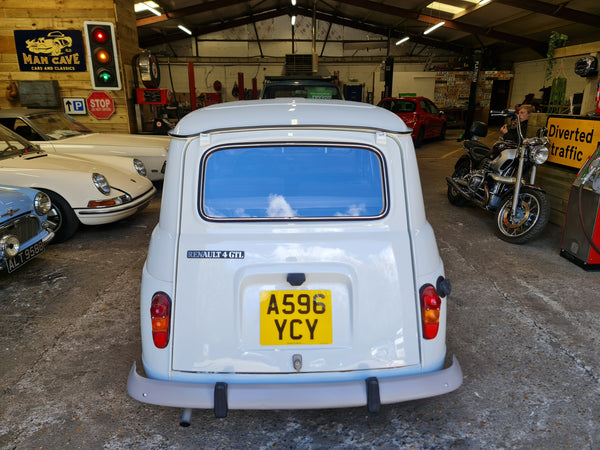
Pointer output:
x,y
102,56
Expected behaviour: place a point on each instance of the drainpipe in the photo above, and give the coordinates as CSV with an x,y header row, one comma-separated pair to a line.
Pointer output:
x,y
314,28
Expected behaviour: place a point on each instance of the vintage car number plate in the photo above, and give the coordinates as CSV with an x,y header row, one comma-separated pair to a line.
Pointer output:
x,y
21,258
295,317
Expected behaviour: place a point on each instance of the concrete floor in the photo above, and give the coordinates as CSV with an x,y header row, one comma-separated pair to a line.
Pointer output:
x,y
523,322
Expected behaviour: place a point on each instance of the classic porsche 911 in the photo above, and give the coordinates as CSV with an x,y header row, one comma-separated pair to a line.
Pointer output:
x,y
88,189
293,265
24,229
56,132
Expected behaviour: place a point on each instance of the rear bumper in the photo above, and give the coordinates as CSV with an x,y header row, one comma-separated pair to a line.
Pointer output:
x,y
344,394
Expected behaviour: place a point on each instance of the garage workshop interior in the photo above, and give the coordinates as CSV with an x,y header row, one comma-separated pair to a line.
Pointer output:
x,y
109,105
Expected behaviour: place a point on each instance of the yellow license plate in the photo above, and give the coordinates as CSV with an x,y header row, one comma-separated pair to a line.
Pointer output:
x,y
295,317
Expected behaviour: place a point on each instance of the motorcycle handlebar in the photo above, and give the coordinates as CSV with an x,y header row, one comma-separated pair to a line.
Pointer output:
x,y
502,113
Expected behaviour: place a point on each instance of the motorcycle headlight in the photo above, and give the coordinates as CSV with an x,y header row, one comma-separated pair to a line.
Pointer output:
x,y
139,167
42,203
101,183
538,154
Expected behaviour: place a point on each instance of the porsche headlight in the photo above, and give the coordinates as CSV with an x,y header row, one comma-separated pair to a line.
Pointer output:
x,y
101,183
538,154
42,204
139,167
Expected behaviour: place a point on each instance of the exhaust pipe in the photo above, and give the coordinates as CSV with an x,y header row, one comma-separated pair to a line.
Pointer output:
x,y
452,183
186,417
467,193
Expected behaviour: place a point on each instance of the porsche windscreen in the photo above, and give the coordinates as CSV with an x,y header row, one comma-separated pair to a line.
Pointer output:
x,y
11,144
293,182
58,125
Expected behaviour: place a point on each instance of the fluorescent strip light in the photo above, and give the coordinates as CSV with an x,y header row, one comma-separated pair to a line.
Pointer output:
x,y
143,6
182,28
483,2
437,6
293,20
153,10
435,27
404,39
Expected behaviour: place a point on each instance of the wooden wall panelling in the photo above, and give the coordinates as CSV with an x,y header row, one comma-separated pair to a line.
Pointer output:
x,y
70,15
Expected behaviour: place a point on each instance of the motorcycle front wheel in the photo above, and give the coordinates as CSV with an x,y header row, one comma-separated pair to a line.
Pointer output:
x,y
533,213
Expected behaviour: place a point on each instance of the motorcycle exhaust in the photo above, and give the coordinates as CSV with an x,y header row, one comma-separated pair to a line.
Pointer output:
x,y
503,179
462,189
467,193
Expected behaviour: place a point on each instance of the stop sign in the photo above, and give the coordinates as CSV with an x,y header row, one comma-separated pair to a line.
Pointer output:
x,y
100,105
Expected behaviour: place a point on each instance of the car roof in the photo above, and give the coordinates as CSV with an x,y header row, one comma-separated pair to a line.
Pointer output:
x,y
286,112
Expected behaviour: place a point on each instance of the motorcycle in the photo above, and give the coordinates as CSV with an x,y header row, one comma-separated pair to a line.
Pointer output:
x,y
494,179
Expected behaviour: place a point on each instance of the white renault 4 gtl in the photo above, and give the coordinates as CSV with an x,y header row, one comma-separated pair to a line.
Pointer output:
x,y
293,265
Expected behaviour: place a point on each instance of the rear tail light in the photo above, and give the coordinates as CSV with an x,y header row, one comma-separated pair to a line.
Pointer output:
x,y
160,314
431,303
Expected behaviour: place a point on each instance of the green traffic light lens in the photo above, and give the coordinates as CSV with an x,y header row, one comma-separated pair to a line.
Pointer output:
x,y
105,77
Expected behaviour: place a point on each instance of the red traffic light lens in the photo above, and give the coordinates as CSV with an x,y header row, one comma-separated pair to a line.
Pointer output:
x,y
102,56
99,35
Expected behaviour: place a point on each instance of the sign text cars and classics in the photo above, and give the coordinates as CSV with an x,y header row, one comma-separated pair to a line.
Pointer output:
x,y
50,50
572,139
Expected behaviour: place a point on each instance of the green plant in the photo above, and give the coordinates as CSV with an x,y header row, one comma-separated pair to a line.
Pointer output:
x,y
556,40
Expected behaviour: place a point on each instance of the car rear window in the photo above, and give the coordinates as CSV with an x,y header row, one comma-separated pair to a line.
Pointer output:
x,y
284,182
399,106
327,92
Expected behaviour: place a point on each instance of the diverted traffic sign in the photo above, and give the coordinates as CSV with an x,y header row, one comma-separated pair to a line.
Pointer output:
x,y
572,139
100,105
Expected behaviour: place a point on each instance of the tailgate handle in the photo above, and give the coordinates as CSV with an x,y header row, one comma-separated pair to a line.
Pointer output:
x,y
296,279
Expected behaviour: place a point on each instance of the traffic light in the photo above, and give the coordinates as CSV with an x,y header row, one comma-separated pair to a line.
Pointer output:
x,y
103,58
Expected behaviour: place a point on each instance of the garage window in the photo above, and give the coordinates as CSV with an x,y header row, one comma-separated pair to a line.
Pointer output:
x,y
302,182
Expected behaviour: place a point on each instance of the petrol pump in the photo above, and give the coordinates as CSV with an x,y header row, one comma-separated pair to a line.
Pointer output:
x,y
150,100
580,242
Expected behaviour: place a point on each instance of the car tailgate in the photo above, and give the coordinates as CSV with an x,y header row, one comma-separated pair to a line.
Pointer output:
x,y
281,298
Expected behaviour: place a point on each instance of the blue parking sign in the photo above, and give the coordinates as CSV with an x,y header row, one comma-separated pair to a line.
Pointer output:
x,y
74,105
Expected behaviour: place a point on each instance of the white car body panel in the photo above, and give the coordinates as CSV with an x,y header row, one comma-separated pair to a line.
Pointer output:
x,y
374,269
70,177
151,150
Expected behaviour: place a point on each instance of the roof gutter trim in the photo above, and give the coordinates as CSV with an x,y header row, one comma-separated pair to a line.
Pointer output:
x,y
273,127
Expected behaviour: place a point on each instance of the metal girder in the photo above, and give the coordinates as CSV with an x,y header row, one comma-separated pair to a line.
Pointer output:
x,y
291,10
380,29
532,5
211,28
183,12
538,46
559,11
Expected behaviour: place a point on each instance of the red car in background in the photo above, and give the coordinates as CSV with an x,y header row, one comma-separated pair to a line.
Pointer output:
x,y
420,114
